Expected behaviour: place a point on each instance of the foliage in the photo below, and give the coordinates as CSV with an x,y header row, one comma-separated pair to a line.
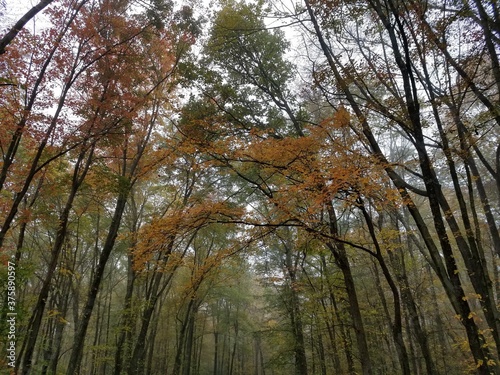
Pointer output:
x,y
310,189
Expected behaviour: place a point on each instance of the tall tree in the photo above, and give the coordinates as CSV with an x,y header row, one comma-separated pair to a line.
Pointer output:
x,y
412,126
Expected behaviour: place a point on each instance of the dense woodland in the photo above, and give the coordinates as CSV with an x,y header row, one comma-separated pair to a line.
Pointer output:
x,y
250,188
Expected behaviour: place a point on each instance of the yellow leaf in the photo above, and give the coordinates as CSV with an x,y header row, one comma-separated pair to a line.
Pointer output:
x,y
341,118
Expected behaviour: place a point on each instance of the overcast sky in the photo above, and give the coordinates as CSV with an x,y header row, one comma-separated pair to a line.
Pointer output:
x,y
15,9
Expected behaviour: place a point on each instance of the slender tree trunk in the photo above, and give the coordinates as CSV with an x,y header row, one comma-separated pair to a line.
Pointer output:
x,y
79,173
94,356
340,255
413,315
138,356
152,348
45,352
60,325
385,322
235,345
200,345
295,313
188,348
79,339
320,349
440,327
216,352
137,363
330,327
181,346
125,334
330,323
343,334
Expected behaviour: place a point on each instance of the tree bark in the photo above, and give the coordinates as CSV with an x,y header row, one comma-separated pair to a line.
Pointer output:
x,y
80,171
340,255
295,313
79,339
397,324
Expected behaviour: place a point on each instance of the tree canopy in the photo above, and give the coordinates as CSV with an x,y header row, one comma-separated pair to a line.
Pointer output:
x,y
250,188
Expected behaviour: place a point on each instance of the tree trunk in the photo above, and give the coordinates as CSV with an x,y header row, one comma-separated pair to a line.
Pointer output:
x,y
138,357
179,364
295,313
340,255
79,339
125,334
79,173
398,264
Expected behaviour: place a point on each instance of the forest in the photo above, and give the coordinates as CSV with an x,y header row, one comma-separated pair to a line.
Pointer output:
x,y
250,187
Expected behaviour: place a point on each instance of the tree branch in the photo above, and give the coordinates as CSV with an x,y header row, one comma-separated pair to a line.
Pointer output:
x,y
12,33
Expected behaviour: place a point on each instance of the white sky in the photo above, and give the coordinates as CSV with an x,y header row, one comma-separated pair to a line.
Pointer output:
x,y
14,10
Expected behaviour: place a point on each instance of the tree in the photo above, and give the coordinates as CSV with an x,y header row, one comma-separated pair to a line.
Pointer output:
x,y
412,126
323,204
